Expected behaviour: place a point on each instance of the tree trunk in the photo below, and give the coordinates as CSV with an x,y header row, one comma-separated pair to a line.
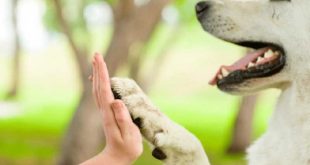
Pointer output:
x,y
84,138
132,25
147,80
16,53
243,125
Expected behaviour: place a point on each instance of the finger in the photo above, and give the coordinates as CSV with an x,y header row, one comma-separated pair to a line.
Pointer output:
x,y
122,117
104,78
109,123
94,83
102,82
104,88
97,83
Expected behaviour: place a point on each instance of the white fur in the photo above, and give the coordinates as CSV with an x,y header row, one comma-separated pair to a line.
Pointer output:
x,y
179,145
287,140
287,24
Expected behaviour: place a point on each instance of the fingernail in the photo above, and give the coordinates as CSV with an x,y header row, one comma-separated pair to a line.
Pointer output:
x,y
117,105
98,55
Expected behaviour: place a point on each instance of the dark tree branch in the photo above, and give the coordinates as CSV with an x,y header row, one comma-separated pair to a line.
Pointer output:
x,y
16,52
137,27
137,54
77,145
130,27
243,125
154,5
123,9
79,53
147,80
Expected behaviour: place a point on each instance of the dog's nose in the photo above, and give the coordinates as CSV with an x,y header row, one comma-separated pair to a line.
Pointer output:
x,y
202,6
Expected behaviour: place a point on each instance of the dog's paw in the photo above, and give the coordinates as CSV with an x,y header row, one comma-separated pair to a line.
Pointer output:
x,y
170,142
147,117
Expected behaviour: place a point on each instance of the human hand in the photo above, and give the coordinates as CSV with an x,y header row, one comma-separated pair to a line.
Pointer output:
x,y
123,138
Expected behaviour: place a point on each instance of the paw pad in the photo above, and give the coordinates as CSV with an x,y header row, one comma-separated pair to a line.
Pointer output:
x,y
159,154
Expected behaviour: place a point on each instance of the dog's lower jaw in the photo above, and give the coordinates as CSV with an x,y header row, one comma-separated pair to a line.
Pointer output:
x,y
171,143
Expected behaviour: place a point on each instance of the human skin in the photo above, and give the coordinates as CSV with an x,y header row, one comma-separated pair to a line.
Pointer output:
x,y
123,138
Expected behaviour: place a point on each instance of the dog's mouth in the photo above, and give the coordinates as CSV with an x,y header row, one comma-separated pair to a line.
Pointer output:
x,y
266,60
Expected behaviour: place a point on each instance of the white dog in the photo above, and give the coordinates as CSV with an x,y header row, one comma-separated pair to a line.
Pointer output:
x,y
279,33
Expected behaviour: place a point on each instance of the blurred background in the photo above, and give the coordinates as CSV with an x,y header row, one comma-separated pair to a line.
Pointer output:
x,y
47,115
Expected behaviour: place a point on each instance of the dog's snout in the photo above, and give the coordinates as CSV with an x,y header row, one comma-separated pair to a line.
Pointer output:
x,y
202,6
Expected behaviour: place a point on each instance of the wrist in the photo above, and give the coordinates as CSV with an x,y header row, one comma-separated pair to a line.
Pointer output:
x,y
116,159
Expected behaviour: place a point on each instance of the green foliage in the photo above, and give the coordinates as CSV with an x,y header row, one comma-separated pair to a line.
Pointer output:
x,y
48,104
50,17
186,10
76,19
36,135
111,2
74,14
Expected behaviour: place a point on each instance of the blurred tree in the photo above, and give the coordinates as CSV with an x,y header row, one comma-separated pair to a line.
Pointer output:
x,y
176,16
133,28
127,19
242,132
16,52
78,143
134,24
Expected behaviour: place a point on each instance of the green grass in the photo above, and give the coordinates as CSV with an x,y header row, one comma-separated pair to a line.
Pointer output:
x,y
35,136
49,93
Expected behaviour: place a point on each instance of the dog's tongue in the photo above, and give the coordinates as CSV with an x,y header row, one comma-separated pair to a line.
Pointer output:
x,y
241,64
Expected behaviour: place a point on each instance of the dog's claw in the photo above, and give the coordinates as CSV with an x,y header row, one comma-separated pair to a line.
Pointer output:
x,y
138,122
116,95
159,154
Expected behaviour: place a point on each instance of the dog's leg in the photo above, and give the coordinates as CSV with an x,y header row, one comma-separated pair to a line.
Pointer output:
x,y
171,143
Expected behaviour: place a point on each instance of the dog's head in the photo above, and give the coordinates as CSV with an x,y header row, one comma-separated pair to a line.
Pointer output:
x,y
277,30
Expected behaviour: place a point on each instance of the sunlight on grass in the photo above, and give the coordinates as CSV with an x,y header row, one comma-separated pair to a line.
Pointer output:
x,y
50,91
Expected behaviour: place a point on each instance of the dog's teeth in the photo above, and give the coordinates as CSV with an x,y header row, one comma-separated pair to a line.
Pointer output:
x,y
251,64
220,77
277,53
259,59
268,54
225,72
